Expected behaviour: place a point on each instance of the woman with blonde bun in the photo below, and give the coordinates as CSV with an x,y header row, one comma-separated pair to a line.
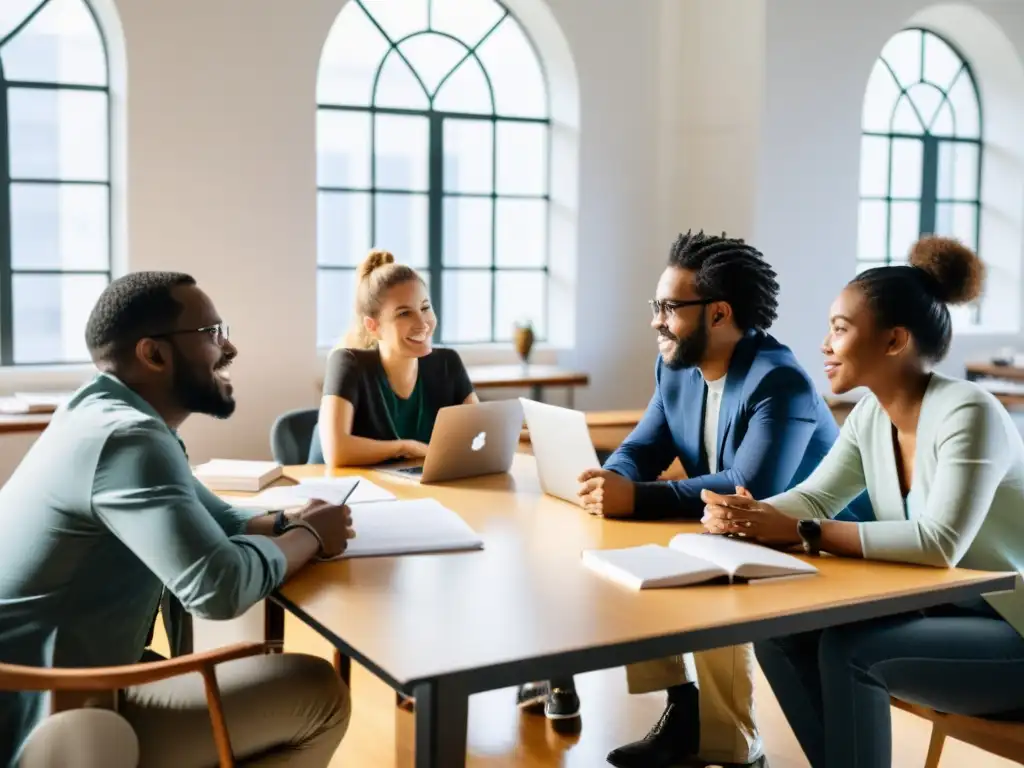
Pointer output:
x,y
943,464
385,384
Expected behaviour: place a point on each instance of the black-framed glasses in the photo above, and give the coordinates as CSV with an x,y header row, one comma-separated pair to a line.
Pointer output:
x,y
666,306
219,332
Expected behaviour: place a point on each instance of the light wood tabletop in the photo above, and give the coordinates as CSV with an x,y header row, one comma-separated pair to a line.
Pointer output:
x,y
441,627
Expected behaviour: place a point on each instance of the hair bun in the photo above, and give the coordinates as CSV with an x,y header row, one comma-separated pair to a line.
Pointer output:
x,y
957,274
376,259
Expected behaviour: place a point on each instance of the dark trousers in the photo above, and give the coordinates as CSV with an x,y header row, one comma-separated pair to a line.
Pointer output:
x,y
834,685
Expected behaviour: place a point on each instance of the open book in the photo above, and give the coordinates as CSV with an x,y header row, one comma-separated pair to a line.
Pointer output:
x,y
693,558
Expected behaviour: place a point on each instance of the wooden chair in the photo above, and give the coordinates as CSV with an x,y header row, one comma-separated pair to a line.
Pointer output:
x,y
1000,737
111,679
66,683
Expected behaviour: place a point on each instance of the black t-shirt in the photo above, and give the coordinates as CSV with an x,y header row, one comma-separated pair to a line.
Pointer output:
x,y
357,375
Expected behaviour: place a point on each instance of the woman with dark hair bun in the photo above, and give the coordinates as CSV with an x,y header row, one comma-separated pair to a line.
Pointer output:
x,y
943,464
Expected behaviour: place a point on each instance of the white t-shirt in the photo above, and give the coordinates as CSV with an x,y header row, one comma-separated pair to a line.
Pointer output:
x,y
711,409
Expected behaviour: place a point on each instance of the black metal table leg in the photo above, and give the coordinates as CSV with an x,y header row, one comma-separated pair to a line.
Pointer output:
x,y
441,715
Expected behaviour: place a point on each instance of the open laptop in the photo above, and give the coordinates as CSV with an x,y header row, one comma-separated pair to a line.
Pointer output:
x,y
562,446
469,440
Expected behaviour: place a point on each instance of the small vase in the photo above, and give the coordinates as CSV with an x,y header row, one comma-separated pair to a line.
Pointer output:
x,y
524,342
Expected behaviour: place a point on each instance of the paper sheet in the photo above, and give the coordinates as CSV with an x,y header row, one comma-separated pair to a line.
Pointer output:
x,y
332,490
408,527
365,492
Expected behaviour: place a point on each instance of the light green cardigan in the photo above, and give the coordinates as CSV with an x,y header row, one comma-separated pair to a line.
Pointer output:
x,y
966,502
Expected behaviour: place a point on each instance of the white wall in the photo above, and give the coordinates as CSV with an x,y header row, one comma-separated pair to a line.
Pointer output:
x,y
737,115
221,183
819,55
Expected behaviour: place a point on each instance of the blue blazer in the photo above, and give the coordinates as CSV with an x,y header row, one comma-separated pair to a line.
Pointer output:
x,y
773,429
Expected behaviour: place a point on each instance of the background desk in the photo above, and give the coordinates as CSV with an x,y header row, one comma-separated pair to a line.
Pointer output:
x,y
978,371
536,378
442,627
30,422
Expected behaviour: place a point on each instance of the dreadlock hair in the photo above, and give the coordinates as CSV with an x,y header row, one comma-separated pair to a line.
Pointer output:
x,y
727,269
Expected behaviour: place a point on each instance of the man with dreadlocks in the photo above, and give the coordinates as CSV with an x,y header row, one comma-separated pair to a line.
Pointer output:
x,y
740,414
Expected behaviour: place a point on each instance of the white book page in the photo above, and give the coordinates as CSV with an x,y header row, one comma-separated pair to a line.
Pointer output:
x,y
408,527
289,496
650,566
364,493
740,558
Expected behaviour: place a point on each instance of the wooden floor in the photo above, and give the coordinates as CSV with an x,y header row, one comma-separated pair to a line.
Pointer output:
x,y
381,736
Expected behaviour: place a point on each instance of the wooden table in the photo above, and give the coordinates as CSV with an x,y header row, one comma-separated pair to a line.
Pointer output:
x,y
536,377
442,627
979,370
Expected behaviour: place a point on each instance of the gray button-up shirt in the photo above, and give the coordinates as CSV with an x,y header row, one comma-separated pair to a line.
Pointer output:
x,y
99,517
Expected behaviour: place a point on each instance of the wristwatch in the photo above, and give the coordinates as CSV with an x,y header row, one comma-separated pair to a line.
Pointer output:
x,y
280,522
810,535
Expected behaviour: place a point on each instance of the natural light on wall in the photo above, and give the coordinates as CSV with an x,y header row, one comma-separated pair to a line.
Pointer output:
x,y
433,142
55,178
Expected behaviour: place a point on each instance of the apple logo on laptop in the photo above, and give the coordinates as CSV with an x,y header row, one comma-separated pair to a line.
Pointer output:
x,y
479,442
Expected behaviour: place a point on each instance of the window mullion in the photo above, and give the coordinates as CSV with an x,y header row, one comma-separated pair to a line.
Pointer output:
x,y
6,237
435,218
929,184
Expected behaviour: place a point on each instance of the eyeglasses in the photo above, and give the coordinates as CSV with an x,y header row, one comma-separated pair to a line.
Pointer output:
x,y
665,306
219,332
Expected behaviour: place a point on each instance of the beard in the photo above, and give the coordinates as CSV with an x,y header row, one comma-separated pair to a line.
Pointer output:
x,y
200,391
689,350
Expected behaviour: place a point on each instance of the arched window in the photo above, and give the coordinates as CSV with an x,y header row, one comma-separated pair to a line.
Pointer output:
x,y
55,229
921,151
433,143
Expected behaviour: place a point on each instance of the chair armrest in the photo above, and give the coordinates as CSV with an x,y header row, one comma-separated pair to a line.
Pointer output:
x,y
21,678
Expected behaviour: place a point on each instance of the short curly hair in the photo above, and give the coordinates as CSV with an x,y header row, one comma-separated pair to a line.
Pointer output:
x,y
727,269
136,305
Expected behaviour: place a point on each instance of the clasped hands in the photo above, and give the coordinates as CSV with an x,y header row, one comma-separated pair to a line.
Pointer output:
x,y
740,514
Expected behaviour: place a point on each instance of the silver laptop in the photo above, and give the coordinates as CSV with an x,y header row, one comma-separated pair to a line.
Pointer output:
x,y
562,446
469,440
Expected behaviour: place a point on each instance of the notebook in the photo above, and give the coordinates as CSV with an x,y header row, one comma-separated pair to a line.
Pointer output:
x,y
235,475
694,558
334,490
408,527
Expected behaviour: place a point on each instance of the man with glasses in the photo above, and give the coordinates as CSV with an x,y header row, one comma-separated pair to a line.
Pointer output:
x,y
104,514
737,410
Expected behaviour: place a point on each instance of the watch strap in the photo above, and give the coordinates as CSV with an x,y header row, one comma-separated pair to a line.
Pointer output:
x,y
810,536
292,525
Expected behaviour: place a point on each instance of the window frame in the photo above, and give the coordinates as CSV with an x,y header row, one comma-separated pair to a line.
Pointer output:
x,y
928,199
7,269
436,193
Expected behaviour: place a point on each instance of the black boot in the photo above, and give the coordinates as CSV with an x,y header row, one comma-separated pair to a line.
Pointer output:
x,y
673,741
